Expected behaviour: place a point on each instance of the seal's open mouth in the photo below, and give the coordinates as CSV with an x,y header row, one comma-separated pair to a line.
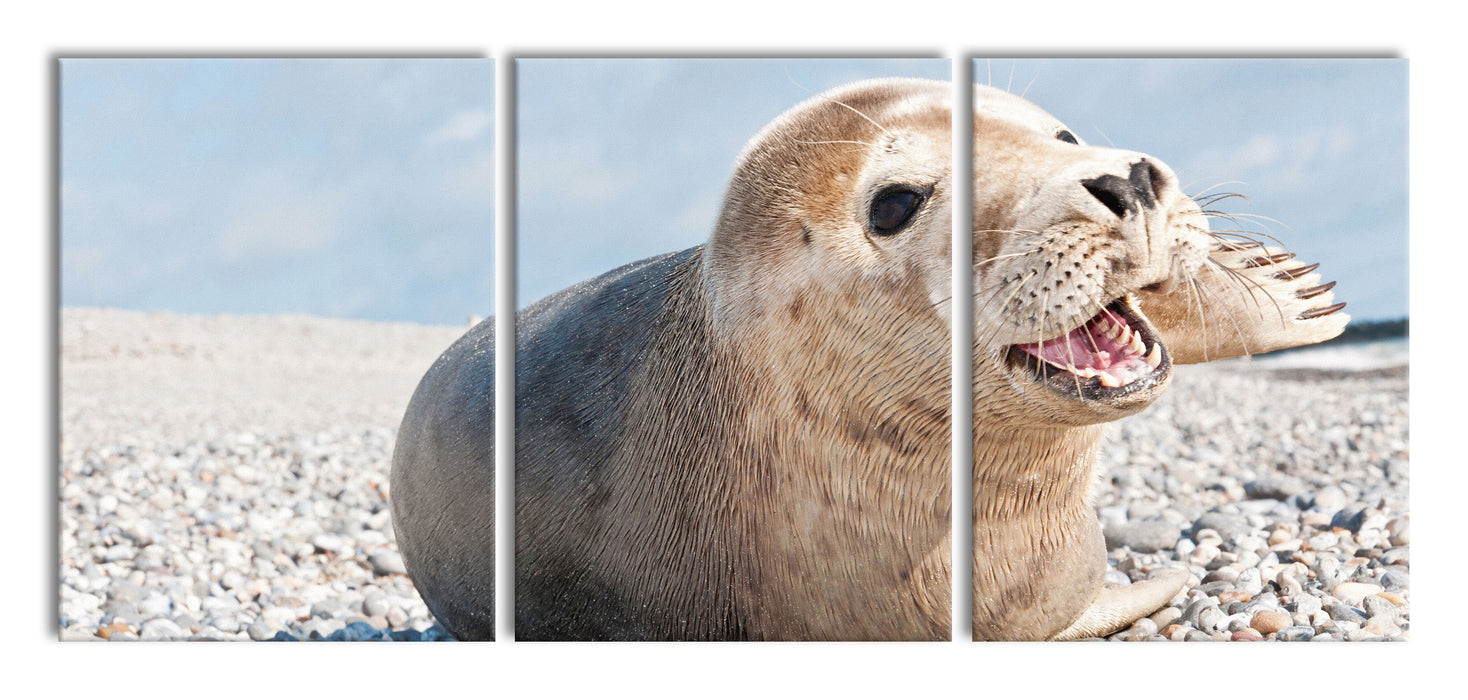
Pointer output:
x,y
1114,354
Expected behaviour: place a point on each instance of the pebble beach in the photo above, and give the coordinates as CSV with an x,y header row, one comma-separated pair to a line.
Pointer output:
x,y
1283,490
226,478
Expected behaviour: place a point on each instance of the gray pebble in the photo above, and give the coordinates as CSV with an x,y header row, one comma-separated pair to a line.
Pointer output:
x,y
329,608
124,591
1350,518
375,604
1210,619
1250,582
1376,605
156,605
1227,525
387,562
160,629
259,631
1329,499
1345,613
1307,605
1295,634
1393,580
1277,488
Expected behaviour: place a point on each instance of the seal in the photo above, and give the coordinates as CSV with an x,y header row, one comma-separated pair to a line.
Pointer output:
x,y
1093,275
750,439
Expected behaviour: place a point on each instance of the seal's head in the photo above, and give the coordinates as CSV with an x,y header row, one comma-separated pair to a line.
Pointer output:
x,y
846,194
1065,235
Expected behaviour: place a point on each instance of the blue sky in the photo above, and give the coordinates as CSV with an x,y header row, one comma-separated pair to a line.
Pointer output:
x,y
351,188
1319,146
621,159
364,188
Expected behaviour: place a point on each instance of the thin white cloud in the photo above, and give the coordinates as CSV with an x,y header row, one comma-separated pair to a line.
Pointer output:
x,y
462,126
1259,152
572,176
283,228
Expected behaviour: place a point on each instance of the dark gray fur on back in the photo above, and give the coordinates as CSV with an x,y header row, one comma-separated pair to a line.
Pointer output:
x,y
579,353
443,486
576,351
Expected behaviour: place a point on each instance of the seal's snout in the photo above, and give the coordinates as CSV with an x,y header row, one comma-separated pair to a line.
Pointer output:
x,y
1130,195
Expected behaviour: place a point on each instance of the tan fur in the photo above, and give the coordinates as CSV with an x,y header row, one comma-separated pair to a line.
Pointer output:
x,y
845,361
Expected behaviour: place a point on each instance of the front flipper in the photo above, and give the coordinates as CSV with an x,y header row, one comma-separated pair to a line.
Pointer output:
x,y
1247,299
1117,608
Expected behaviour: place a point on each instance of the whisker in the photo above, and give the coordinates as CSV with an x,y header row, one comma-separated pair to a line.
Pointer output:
x,y
1010,255
1205,201
1244,278
1235,216
1202,317
1205,190
1243,341
839,102
822,143
1019,285
1032,84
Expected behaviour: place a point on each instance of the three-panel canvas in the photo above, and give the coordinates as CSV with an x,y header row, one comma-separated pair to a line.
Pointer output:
x,y
866,349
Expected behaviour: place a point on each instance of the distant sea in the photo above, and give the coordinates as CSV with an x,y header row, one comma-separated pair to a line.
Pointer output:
x,y
1358,356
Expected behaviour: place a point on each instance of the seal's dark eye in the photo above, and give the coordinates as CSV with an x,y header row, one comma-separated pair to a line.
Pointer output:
x,y
1067,137
894,208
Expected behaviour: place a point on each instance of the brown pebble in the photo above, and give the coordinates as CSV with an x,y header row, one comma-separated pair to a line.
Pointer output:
x,y
1247,635
1278,536
1393,597
1227,597
114,628
1270,621
1353,591
1166,616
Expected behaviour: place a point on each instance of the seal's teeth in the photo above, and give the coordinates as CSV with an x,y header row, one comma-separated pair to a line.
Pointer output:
x,y
1108,380
1117,332
1154,358
1138,345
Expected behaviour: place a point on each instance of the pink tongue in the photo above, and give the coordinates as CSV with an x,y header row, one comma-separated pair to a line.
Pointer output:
x,y
1077,349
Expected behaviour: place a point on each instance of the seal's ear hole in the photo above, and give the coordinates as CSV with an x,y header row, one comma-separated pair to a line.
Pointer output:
x,y
894,207
1067,137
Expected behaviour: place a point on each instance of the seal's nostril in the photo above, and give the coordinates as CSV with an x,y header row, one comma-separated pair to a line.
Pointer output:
x,y
1143,178
1138,190
1111,191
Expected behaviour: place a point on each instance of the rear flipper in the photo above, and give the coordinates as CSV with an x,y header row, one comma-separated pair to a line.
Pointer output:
x,y
1117,608
1247,299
